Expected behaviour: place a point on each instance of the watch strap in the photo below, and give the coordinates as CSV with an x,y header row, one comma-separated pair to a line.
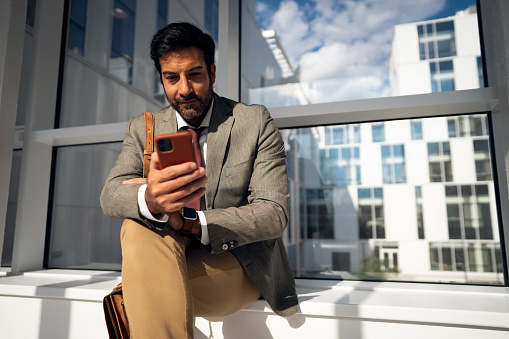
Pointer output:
x,y
188,221
188,226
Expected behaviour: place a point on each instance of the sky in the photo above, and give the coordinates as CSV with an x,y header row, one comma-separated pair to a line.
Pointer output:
x,y
346,39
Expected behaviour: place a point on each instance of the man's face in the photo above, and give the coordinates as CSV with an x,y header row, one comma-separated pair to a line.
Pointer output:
x,y
187,83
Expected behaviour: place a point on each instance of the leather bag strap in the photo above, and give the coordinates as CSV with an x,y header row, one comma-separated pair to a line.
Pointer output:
x,y
149,142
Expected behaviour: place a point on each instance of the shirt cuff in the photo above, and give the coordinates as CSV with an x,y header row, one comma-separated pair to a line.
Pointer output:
x,y
144,211
205,240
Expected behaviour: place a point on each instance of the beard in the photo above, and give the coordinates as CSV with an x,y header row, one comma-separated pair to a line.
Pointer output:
x,y
195,112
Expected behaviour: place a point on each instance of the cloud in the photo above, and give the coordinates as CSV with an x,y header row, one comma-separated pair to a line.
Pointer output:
x,y
293,28
330,39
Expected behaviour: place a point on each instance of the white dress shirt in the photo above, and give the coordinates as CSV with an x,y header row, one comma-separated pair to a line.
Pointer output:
x,y
142,204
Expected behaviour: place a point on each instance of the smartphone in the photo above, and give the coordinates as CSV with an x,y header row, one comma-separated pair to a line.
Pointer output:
x,y
175,148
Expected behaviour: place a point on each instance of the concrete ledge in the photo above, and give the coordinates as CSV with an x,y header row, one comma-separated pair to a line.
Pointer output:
x,y
352,306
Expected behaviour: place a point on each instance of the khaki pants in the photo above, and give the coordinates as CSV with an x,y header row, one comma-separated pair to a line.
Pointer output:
x,y
167,281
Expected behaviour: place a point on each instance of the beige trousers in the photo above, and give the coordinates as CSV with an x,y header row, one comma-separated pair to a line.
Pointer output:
x,y
168,280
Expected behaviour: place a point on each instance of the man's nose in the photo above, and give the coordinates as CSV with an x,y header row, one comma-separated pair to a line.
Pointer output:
x,y
185,87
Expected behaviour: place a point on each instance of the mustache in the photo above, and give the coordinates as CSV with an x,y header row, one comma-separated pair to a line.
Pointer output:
x,y
191,96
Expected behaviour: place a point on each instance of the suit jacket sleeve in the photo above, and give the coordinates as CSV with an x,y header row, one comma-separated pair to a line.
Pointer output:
x,y
117,200
260,212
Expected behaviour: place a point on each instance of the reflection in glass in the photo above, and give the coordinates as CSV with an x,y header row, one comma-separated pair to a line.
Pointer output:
x,y
418,207
122,40
77,25
81,235
306,52
442,76
378,132
12,206
393,162
482,160
439,158
411,227
162,13
212,17
416,130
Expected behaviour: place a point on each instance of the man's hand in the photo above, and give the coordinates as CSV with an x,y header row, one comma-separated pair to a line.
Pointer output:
x,y
171,188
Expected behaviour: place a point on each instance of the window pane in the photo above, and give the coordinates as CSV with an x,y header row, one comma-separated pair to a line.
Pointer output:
x,y
389,222
81,235
77,26
212,17
416,130
12,206
284,64
116,29
446,259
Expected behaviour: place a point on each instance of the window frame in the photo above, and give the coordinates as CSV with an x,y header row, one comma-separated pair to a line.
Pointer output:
x,y
40,137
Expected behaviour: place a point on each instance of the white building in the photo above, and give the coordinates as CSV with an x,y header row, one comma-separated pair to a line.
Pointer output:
x,y
445,51
403,200
417,194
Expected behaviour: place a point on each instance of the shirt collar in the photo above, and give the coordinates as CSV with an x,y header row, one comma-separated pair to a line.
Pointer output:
x,y
181,123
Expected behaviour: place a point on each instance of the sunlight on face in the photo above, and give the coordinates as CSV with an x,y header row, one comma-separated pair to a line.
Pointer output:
x,y
187,83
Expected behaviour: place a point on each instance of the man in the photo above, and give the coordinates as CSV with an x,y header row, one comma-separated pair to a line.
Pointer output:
x,y
175,268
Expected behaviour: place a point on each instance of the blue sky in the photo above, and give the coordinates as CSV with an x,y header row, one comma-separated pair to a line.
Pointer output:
x,y
346,39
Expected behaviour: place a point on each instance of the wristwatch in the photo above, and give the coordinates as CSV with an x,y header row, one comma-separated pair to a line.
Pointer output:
x,y
190,216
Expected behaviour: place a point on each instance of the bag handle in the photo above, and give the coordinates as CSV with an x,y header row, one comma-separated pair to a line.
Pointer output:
x,y
149,142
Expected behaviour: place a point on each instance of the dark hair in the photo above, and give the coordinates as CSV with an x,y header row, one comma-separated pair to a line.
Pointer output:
x,y
180,35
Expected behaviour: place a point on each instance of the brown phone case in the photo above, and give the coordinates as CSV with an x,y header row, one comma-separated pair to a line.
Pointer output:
x,y
175,148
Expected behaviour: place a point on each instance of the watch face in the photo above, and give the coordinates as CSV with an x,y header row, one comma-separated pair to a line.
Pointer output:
x,y
189,213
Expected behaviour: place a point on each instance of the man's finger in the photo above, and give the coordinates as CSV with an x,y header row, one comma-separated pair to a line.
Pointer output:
x,y
154,162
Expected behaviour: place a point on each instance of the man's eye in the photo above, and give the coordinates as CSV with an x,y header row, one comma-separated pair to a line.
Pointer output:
x,y
172,79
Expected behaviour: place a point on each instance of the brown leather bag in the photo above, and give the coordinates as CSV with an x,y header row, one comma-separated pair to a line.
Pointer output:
x,y
113,303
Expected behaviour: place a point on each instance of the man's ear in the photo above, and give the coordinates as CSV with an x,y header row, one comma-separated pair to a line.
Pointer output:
x,y
161,79
213,73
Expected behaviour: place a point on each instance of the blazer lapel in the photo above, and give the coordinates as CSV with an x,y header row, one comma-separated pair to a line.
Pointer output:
x,y
221,123
168,122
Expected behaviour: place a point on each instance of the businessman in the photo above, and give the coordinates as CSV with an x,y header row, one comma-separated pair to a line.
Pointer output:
x,y
204,238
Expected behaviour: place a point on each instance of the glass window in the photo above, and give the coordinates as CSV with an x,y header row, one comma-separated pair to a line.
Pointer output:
x,y
439,159
436,40
416,129
162,21
393,164
212,17
468,212
116,79
419,212
344,134
482,160
480,72
365,219
371,213
340,166
465,257
122,40
81,235
378,132
468,126
77,25
305,52
12,206
31,13
442,76
162,13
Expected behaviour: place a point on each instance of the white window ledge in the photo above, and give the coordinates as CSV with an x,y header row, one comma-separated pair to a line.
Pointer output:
x,y
482,307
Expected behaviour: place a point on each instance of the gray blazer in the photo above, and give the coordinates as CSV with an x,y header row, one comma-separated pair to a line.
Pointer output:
x,y
247,194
